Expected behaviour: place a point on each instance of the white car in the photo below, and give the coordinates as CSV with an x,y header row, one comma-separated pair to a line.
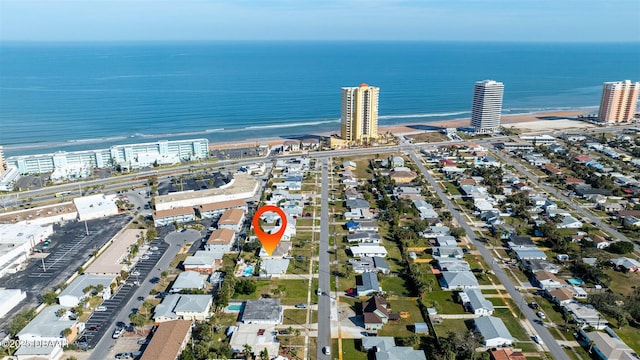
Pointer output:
x,y
326,350
541,315
144,257
537,339
135,273
101,308
154,248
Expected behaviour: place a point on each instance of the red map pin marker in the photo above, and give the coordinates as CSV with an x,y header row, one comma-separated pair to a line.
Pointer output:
x,y
269,241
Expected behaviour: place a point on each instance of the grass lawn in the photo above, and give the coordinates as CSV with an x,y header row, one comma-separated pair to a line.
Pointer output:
x,y
549,310
399,328
295,317
451,188
622,283
631,336
295,291
497,301
526,346
512,324
349,349
455,325
262,287
394,286
445,302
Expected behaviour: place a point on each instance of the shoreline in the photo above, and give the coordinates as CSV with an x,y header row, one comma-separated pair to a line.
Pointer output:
x,y
533,121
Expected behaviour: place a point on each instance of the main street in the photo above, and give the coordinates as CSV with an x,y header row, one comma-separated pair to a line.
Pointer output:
x,y
551,190
324,284
549,341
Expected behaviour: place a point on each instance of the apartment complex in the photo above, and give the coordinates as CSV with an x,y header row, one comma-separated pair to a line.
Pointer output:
x,y
487,106
359,113
618,102
65,164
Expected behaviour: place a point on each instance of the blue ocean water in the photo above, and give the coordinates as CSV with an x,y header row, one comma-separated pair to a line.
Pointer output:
x,y
71,96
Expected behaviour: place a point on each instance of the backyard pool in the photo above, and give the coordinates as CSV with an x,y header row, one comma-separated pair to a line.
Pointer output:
x,y
574,281
248,271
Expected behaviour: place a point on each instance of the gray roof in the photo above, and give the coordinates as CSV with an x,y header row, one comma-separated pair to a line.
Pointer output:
x,y
448,251
262,310
459,279
364,235
625,262
177,303
477,300
44,351
369,282
47,324
452,264
492,328
380,342
274,266
202,257
77,286
188,280
381,263
357,204
530,253
422,204
401,353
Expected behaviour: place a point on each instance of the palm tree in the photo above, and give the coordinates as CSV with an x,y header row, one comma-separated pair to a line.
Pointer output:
x,y
247,350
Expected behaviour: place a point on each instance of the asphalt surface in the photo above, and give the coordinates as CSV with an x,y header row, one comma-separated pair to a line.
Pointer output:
x,y
549,341
70,248
324,283
568,201
149,270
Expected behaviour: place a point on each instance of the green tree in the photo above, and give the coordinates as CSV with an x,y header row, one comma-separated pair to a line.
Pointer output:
x,y
264,354
66,332
621,247
163,276
50,297
247,350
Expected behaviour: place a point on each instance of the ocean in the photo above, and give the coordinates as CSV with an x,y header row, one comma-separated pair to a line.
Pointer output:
x,y
75,96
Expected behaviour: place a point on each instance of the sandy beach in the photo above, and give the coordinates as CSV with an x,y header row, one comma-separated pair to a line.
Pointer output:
x,y
557,120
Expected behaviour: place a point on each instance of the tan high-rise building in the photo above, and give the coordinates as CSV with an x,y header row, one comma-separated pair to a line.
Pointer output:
x,y
619,101
3,164
359,113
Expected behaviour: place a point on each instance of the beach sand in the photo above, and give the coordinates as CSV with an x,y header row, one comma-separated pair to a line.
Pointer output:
x,y
557,120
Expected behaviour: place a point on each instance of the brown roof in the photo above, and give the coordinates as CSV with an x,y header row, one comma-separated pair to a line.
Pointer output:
x,y
562,294
166,343
231,217
598,239
572,180
545,275
221,237
172,212
552,168
467,182
628,213
507,354
375,303
223,205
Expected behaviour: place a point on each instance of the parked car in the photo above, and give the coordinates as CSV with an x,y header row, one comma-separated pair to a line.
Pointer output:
x,y
541,315
537,339
117,332
135,273
93,327
534,305
301,306
154,248
144,257
101,308
326,350
125,355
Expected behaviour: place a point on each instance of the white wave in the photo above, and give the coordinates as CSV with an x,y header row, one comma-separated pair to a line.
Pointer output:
x,y
277,126
413,116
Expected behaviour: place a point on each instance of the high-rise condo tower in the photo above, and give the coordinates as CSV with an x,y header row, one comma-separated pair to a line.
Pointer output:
x,y
487,106
359,115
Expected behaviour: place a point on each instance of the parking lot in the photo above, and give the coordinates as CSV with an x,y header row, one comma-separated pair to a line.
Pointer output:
x,y
102,323
69,248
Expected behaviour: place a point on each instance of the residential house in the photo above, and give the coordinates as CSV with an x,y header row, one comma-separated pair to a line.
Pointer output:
x,y
474,301
452,265
507,354
188,280
493,331
48,327
221,240
366,249
83,287
396,161
569,222
291,145
262,311
259,337
548,281
586,314
203,261
520,242
536,265
608,346
402,175
364,237
631,221
528,253
376,313
368,284
183,307
232,219
600,242
370,264
611,207
274,267
53,352
626,264
433,232
448,252
561,296
446,241
349,165
168,341
384,348
458,280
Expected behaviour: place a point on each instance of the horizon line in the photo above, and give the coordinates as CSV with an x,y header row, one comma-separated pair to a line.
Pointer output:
x,y
34,41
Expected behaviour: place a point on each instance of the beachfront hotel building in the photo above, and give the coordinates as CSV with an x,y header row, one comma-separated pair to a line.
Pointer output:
x,y
487,106
619,101
78,164
359,114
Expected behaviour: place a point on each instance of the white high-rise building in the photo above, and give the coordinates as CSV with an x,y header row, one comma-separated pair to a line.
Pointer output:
x,y
487,106
359,113
619,101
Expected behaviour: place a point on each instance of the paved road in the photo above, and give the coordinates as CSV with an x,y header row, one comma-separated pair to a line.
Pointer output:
x,y
174,242
549,341
568,201
324,301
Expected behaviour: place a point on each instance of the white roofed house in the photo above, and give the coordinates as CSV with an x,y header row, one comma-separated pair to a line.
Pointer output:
x,y
48,327
188,280
203,261
369,250
447,252
474,301
458,280
493,331
83,287
183,307
274,267
626,264
546,281
364,237
569,222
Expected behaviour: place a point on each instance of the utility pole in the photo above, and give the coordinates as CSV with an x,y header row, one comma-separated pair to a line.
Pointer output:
x,y
86,227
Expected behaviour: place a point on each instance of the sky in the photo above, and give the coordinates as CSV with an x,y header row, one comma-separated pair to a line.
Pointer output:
x,y
408,20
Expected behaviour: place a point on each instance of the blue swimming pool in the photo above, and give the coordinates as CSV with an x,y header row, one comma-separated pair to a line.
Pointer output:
x,y
248,271
574,281
235,307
